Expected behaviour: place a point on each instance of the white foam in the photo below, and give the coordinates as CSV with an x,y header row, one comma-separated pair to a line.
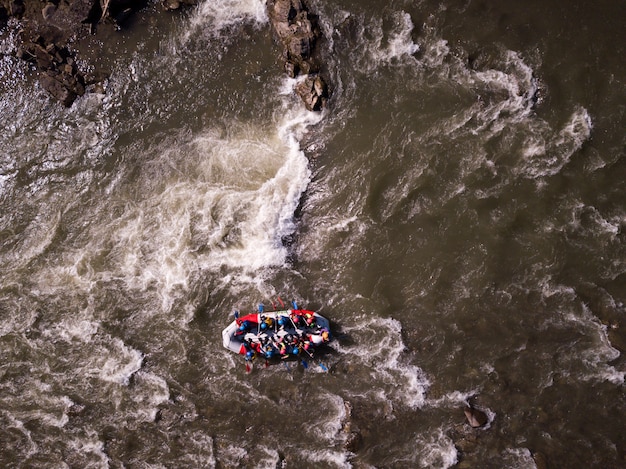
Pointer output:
x,y
328,457
328,426
588,221
395,377
221,198
232,455
452,399
72,328
48,416
90,447
217,15
377,47
518,458
120,365
601,353
35,239
149,391
434,51
10,421
547,155
199,451
591,357
436,450
514,81
400,43
269,458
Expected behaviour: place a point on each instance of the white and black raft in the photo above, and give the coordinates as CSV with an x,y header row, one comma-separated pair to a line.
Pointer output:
x,y
277,335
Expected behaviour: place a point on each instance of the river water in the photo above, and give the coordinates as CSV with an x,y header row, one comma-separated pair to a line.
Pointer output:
x,y
457,212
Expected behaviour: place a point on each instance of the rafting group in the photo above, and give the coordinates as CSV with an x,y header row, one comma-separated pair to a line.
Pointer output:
x,y
277,334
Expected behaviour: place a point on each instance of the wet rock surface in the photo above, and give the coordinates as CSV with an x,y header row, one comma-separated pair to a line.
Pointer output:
x,y
353,437
296,30
475,418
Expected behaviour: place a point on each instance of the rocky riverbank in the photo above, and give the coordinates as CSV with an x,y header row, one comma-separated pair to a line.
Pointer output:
x,y
43,31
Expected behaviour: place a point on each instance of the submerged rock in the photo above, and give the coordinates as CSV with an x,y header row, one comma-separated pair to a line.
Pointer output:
x,y
353,435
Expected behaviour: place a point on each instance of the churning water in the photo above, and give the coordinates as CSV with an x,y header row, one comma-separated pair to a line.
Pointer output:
x,y
457,213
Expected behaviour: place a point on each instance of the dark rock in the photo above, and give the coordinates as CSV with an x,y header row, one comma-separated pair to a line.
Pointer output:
x,y
354,437
319,86
290,69
45,30
312,91
353,442
57,89
58,73
297,31
48,35
467,444
476,418
617,337
84,11
299,46
171,4
123,15
4,16
540,461
43,58
17,8
48,11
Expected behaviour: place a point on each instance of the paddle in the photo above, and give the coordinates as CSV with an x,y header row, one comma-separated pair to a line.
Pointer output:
x,y
248,366
322,366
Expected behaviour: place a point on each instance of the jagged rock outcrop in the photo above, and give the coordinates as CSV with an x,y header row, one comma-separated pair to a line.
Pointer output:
x,y
297,30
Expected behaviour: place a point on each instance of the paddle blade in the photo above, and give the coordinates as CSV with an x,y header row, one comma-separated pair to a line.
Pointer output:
x,y
305,364
248,367
323,367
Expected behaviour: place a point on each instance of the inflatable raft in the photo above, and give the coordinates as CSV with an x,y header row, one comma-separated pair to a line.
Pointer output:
x,y
277,334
